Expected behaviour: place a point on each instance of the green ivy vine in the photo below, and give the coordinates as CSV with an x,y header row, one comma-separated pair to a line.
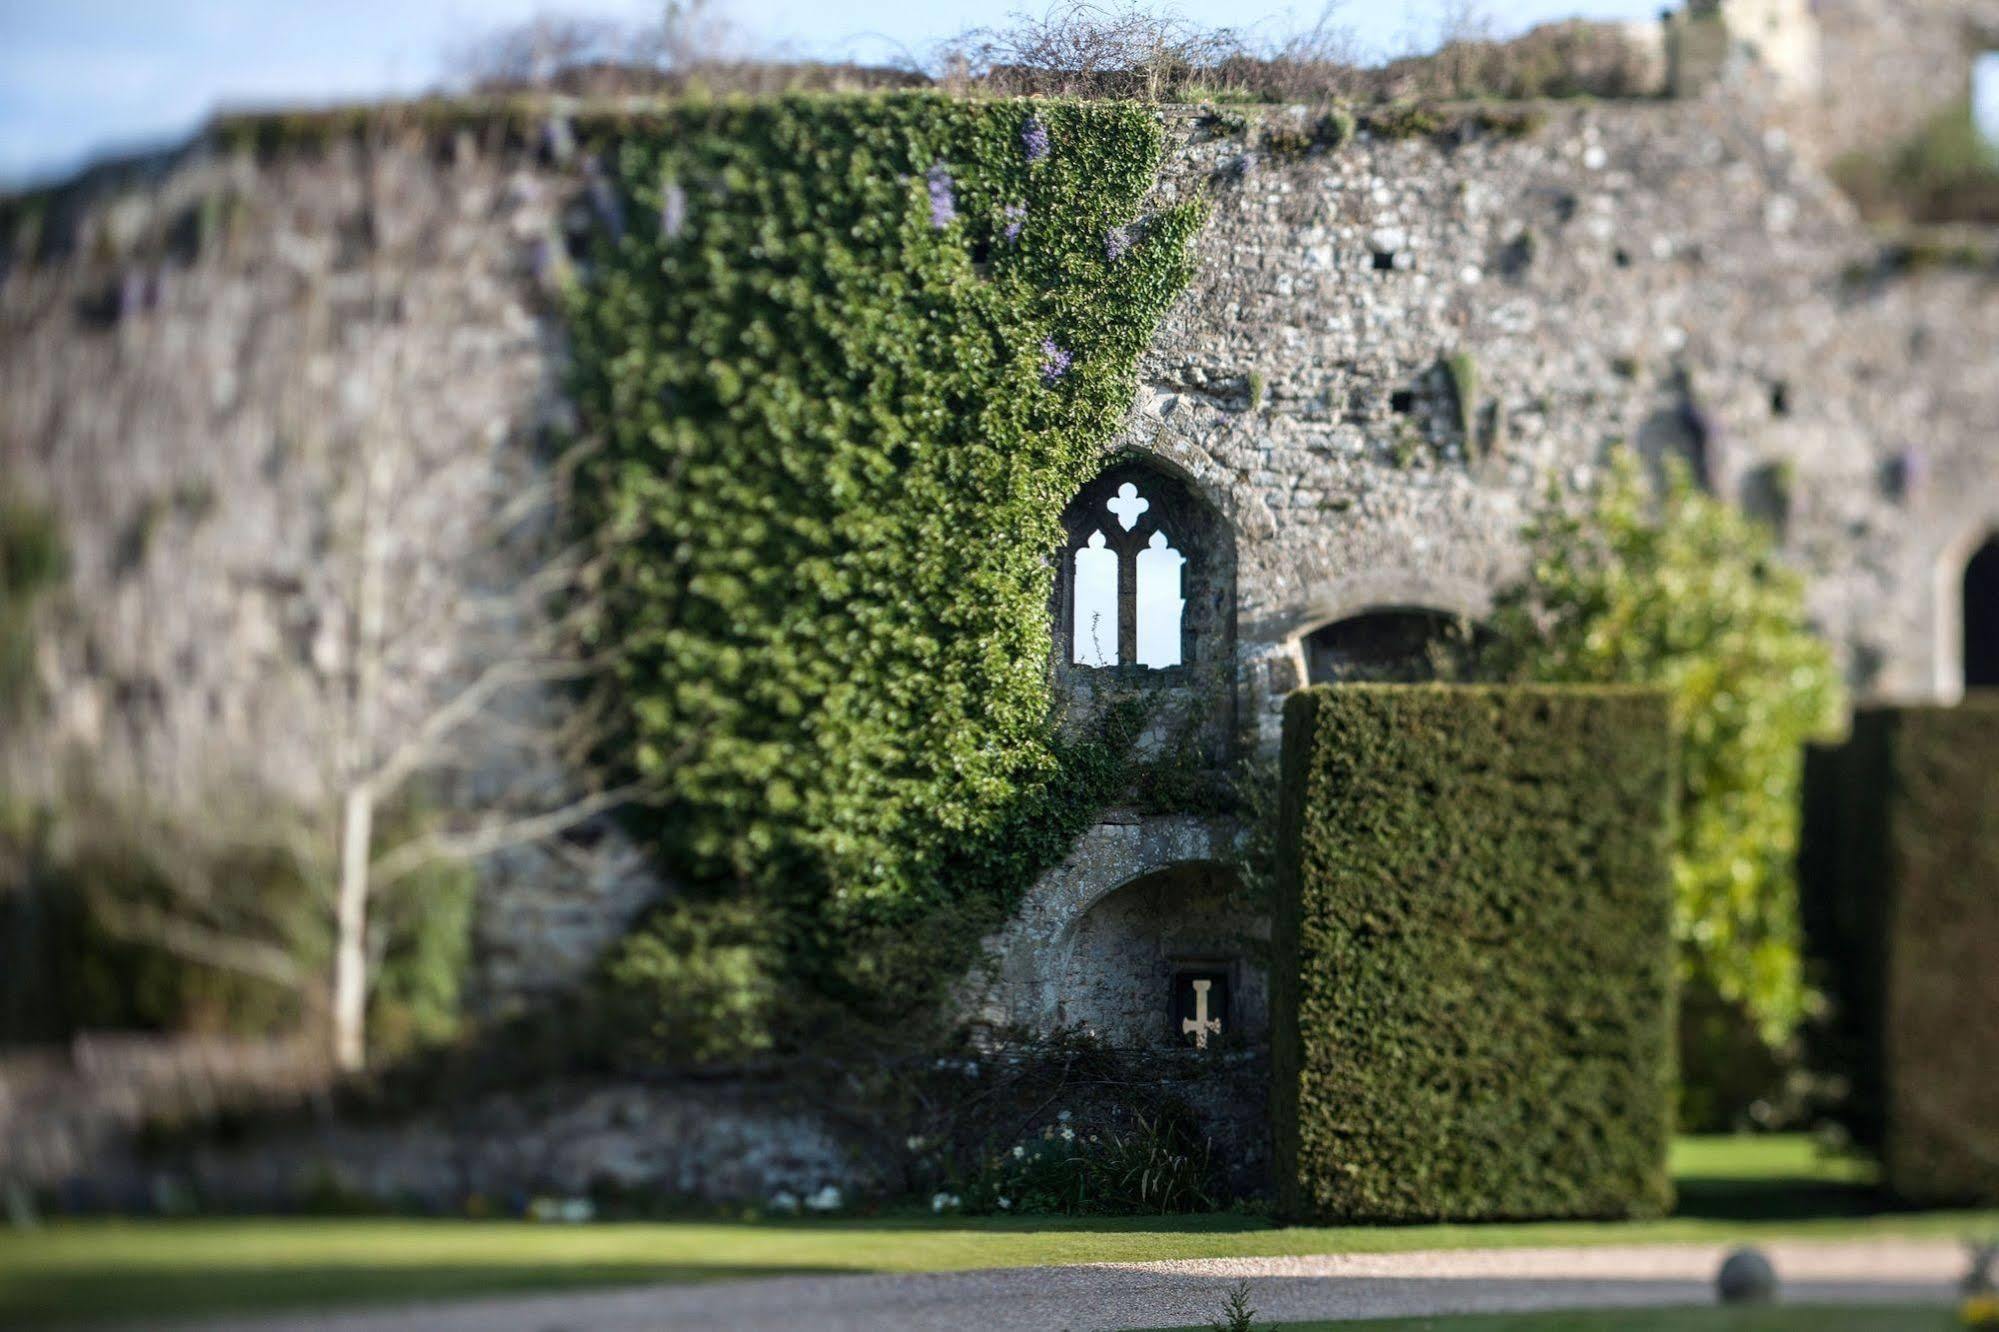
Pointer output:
x,y
848,358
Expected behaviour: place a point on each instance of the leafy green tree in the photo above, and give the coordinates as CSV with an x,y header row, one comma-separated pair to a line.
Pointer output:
x,y
1678,589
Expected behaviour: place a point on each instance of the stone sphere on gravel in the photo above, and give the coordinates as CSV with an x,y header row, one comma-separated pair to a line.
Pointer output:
x,y
1746,1277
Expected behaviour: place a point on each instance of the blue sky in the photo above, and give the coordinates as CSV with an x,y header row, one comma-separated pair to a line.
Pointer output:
x,y
79,77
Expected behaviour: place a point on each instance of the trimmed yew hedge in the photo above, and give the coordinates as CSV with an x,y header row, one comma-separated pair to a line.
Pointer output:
x,y
1472,972
1904,862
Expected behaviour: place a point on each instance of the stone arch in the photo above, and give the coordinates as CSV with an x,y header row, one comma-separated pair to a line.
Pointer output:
x,y
1378,595
1961,571
1237,501
1396,589
1390,645
1030,954
1117,965
1978,616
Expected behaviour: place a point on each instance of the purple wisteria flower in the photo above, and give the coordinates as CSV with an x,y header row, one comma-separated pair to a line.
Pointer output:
x,y
1016,218
1034,138
1055,361
672,210
943,205
1116,241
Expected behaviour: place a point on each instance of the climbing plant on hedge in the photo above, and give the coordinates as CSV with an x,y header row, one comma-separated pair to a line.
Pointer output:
x,y
1681,591
848,358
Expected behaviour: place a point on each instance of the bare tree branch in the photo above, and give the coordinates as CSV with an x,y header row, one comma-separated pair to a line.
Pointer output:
x,y
410,755
484,841
140,923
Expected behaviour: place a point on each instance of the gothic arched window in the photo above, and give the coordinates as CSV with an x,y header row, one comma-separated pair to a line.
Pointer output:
x,y
1132,570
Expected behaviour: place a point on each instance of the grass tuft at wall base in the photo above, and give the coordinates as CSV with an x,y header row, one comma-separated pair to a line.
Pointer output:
x,y
1472,984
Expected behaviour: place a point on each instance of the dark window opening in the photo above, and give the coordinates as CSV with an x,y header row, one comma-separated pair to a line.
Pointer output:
x,y
1396,646
1981,618
1622,258
1780,399
1200,1012
1384,261
1402,401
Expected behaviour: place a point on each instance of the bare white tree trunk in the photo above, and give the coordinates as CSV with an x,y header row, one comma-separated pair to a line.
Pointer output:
x,y
357,806
350,956
461,618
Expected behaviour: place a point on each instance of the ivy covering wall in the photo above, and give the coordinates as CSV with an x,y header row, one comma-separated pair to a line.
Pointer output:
x,y
848,357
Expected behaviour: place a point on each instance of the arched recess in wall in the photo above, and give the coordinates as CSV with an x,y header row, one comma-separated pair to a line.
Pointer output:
x,y
1163,950
1145,591
1392,645
1980,602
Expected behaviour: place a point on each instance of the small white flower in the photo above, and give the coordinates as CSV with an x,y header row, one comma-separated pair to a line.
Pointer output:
x,y
1068,1134
942,1202
826,1200
1019,1151
1004,1203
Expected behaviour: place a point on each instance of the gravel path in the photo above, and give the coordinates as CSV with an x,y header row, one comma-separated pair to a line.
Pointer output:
x,y
1139,1295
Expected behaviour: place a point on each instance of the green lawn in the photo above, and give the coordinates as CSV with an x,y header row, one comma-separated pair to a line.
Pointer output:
x,y
1796,1318
1736,1190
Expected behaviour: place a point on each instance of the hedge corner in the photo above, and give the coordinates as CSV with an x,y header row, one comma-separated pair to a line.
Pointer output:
x,y
1910,866
1472,954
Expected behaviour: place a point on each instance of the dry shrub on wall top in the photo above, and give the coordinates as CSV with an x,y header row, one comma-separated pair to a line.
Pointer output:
x,y
1115,51
1138,53
815,340
1127,51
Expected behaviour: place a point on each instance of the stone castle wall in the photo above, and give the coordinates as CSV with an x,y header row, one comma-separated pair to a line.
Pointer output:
x,y
200,359
1672,274
1888,66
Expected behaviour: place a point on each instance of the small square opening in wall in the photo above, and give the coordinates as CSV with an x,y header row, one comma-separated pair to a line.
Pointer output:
x,y
1384,261
1402,401
1780,399
1200,1011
